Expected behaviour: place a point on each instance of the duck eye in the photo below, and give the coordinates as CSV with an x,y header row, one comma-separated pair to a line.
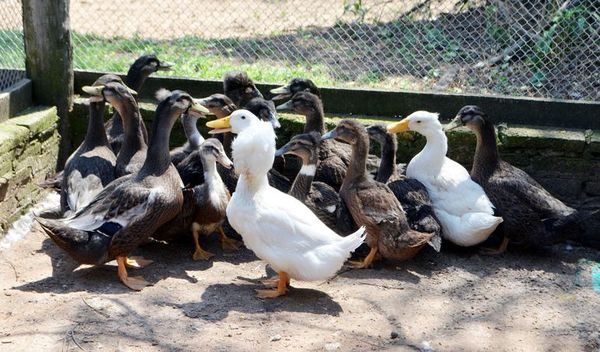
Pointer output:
x,y
418,121
243,117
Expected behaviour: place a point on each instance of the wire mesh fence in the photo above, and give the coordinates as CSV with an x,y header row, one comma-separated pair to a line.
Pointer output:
x,y
12,53
542,48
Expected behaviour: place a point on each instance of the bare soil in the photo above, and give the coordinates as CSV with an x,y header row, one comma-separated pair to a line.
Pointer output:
x,y
451,301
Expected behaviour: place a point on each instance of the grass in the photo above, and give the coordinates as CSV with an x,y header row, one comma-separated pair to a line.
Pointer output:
x,y
194,57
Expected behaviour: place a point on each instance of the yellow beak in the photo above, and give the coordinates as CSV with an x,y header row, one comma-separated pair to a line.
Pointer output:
x,y
219,125
93,90
398,126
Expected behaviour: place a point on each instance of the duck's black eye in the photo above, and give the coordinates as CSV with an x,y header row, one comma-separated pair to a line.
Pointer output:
x,y
418,121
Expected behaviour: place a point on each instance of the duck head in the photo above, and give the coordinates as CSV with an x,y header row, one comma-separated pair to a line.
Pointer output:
x,y
178,102
237,122
349,131
254,148
305,146
471,116
304,103
148,64
423,122
380,134
239,87
296,85
110,88
218,104
264,110
212,151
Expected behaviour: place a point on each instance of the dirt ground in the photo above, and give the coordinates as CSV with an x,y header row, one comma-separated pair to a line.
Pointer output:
x,y
454,300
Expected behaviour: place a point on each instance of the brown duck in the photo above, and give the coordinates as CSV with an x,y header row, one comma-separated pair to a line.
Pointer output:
x,y
132,207
373,205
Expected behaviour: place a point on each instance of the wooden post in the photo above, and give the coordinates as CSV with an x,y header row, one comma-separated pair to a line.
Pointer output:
x,y
48,61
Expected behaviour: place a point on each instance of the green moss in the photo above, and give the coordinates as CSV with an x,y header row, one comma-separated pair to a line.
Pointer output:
x,y
12,136
37,120
543,138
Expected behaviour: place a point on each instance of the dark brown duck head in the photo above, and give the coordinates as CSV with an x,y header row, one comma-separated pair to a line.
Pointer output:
x,y
111,89
218,104
264,110
296,85
389,145
380,134
470,116
305,146
310,106
240,88
212,152
349,131
172,104
143,67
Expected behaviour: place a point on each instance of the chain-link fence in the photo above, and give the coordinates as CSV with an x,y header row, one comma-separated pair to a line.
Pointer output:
x,y
12,53
543,48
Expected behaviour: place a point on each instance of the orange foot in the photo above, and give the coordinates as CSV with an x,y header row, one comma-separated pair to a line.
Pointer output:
x,y
283,281
367,262
136,283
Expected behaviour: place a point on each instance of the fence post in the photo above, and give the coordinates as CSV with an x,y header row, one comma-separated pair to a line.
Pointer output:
x,y
48,61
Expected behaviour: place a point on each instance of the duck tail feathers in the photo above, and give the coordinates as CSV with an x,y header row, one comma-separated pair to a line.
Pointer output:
x,y
354,240
83,246
436,242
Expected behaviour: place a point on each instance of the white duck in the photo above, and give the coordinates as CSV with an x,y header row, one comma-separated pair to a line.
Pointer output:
x,y
276,226
464,210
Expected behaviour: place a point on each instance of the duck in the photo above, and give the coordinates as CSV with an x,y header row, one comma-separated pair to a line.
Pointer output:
x,y
532,216
193,139
138,73
277,227
56,181
411,193
203,210
321,198
129,209
296,85
92,166
460,204
240,88
133,152
373,205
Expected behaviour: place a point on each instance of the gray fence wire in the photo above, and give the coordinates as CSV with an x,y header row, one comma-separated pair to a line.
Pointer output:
x,y
541,48
12,53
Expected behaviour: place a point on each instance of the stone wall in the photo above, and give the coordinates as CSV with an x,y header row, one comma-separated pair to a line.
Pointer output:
x,y
28,151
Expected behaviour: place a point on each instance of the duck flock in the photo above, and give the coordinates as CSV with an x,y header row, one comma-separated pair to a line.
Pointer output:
x,y
123,187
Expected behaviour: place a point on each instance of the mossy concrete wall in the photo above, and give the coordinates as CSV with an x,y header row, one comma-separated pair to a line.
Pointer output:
x,y
28,151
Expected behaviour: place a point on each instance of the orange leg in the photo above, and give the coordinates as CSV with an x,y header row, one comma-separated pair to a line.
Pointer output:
x,y
228,243
281,289
495,251
274,281
135,283
367,262
199,254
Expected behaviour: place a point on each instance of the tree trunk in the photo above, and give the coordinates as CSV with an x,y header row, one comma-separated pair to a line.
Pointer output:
x,y
48,61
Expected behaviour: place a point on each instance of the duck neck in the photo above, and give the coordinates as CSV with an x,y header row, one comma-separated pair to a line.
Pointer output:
x,y
486,150
134,137
191,132
96,134
303,181
436,147
135,78
358,165
158,158
314,121
211,176
387,167
250,184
